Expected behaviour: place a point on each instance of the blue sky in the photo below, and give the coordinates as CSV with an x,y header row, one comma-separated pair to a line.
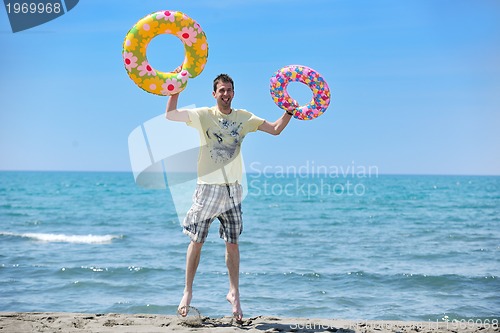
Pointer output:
x,y
415,84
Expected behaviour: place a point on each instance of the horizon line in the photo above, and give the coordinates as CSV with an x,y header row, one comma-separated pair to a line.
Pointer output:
x,y
253,173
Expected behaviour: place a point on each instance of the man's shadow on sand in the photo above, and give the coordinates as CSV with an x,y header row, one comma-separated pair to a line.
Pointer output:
x,y
312,328
267,325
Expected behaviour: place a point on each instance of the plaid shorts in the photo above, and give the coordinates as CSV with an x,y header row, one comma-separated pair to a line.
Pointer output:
x,y
215,201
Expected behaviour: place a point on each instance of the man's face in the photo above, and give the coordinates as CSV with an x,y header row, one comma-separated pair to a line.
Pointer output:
x,y
224,94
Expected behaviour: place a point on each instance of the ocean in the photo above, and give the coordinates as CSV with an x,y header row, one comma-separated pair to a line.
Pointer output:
x,y
350,246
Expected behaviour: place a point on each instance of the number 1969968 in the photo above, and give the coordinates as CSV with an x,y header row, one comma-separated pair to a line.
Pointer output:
x,y
33,8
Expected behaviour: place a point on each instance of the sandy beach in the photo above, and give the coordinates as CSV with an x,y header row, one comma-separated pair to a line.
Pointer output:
x,y
142,323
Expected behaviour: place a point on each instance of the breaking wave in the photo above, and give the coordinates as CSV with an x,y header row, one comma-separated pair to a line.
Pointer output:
x,y
61,238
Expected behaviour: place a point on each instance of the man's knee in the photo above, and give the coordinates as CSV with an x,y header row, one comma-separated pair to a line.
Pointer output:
x,y
196,246
232,247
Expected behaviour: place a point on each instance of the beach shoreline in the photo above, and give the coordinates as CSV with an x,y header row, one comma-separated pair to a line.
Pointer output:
x,y
20,322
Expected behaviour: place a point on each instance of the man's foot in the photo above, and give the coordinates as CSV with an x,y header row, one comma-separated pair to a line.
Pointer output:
x,y
183,308
234,299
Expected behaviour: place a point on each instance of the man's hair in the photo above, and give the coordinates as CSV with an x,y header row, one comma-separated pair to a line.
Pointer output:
x,y
222,78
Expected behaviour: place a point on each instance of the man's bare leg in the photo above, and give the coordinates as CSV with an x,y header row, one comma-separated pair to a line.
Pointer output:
x,y
233,268
192,260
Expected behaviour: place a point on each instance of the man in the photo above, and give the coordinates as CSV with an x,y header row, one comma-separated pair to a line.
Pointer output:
x,y
218,193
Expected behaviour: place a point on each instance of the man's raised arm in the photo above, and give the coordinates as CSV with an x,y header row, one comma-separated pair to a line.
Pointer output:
x,y
276,127
172,113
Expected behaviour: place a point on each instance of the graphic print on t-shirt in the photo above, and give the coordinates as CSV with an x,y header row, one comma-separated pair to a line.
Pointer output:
x,y
224,140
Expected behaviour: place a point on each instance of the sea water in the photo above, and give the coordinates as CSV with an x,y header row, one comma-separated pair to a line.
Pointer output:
x,y
377,247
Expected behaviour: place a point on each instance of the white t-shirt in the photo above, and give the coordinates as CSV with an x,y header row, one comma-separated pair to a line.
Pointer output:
x,y
221,135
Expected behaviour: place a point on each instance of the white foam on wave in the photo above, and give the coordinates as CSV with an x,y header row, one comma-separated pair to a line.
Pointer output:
x,y
61,238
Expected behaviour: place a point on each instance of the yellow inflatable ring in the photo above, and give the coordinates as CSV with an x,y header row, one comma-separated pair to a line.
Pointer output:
x,y
164,22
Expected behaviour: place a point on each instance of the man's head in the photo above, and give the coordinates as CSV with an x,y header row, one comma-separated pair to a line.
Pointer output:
x,y
223,78
223,91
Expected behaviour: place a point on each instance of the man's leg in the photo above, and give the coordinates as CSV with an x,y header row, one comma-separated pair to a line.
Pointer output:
x,y
192,260
233,268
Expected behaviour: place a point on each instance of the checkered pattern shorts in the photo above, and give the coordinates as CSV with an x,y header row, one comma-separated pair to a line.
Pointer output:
x,y
215,201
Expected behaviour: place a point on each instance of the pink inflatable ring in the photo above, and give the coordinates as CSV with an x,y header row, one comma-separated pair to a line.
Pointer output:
x,y
297,73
